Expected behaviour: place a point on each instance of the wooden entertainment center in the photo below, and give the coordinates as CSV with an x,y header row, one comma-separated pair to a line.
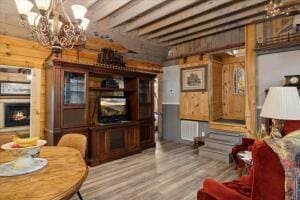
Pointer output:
x,y
72,92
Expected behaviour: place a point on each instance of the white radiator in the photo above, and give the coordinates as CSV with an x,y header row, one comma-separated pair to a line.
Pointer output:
x,y
189,130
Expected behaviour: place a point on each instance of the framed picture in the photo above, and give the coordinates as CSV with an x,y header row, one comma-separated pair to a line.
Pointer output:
x,y
15,88
194,79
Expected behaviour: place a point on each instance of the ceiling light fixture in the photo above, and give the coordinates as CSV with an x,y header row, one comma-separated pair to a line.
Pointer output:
x,y
52,26
275,8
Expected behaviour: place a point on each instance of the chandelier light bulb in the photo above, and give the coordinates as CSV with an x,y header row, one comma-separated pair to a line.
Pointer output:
x,y
43,4
24,7
78,11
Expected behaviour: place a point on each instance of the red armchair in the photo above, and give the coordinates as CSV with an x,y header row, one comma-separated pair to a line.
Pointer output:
x,y
266,178
265,181
289,126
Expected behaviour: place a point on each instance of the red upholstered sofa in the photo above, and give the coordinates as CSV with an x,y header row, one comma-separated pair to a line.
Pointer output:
x,y
266,178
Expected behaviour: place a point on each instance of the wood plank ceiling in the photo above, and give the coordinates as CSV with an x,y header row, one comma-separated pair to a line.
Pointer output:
x,y
152,27
171,22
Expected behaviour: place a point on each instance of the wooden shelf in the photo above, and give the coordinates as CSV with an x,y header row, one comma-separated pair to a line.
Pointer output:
x,y
111,89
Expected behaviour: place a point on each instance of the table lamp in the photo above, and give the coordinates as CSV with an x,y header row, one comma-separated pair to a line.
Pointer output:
x,y
282,103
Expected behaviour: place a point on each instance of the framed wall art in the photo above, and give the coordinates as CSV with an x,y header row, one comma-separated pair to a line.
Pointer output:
x,y
194,79
239,83
15,88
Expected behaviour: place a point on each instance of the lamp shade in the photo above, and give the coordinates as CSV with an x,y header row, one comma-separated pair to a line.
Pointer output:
x,y
78,11
282,103
24,6
33,18
43,4
52,24
84,24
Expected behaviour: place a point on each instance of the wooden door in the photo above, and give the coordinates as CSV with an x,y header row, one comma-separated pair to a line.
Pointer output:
x,y
233,104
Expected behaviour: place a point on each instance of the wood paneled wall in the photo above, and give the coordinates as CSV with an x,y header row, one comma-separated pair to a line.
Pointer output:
x,y
233,38
194,105
217,93
273,28
227,39
25,53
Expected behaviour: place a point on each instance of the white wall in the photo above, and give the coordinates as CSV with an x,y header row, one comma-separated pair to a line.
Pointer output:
x,y
171,85
272,68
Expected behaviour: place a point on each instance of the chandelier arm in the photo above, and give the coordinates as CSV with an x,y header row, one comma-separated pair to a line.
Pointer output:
x,y
55,34
65,15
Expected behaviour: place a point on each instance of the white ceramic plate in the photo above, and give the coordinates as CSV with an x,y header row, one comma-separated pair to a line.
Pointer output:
x,y
6,169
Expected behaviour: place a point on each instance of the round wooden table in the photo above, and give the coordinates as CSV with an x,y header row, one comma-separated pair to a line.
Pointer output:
x,y
60,179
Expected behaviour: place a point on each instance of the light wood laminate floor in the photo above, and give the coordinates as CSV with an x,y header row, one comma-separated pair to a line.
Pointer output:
x,y
171,171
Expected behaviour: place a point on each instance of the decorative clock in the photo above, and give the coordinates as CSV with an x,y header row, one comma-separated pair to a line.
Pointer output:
x,y
292,80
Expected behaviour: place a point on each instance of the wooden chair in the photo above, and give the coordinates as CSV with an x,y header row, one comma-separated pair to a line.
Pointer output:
x,y
76,141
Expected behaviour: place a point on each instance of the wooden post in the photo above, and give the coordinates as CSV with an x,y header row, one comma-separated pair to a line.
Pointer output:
x,y
35,103
250,67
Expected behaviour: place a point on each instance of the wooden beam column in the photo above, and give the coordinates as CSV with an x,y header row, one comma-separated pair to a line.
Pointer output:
x,y
250,67
36,106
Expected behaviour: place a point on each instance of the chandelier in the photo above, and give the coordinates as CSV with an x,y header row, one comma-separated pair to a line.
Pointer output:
x,y
275,8
51,26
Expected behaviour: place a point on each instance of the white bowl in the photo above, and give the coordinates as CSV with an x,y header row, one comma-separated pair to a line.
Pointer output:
x,y
32,151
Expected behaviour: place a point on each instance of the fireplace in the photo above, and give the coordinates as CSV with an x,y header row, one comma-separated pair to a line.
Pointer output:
x,y
17,114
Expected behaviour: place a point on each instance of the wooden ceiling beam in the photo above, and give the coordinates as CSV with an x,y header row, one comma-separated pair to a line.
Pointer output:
x,y
90,3
159,13
172,7
185,14
207,17
86,3
216,30
211,24
106,7
134,11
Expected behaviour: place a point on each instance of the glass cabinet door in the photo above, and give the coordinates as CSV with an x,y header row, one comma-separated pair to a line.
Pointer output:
x,y
74,88
145,99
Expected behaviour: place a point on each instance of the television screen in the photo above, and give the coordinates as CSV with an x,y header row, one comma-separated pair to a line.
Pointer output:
x,y
112,108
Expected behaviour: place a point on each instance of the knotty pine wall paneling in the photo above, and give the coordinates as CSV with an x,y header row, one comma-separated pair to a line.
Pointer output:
x,y
275,27
212,43
194,105
216,90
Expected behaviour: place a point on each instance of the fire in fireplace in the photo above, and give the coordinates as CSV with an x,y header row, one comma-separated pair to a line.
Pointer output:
x,y
17,114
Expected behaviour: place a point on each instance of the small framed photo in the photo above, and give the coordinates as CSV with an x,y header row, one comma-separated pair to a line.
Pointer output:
x,y
15,88
194,79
